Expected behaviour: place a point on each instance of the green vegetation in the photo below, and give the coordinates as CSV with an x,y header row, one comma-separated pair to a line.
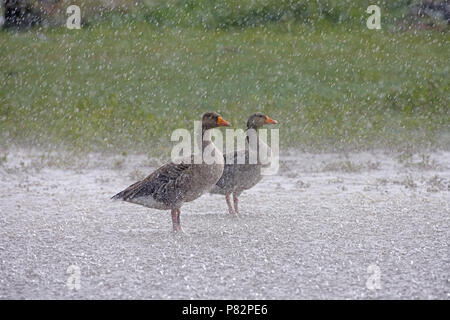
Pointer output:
x,y
224,14
124,82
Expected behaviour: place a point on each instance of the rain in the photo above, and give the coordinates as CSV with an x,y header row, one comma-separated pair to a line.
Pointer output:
x,y
358,91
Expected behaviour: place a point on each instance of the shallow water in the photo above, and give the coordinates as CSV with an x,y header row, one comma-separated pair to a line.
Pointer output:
x,y
318,229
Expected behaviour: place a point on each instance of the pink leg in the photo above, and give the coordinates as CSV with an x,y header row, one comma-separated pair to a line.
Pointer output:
x,y
176,220
230,207
236,200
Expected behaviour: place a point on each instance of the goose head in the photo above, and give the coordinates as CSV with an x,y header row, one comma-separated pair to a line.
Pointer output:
x,y
212,120
257,120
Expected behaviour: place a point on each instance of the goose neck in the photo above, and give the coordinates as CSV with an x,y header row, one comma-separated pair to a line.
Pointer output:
x,y
206,135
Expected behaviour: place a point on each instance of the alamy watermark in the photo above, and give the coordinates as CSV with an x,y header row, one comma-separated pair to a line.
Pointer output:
x,y
374,280
74,280
74,20
259,151
374,20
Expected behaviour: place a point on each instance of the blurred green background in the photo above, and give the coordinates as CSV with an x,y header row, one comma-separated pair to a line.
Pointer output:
x,y
139,69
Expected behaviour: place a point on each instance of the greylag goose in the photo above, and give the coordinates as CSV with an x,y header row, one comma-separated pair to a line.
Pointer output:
x,y
171,185
239,177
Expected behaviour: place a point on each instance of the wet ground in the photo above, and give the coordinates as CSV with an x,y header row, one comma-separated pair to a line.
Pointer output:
x,y
361,225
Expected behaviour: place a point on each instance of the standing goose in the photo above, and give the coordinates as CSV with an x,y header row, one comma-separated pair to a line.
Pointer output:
x,y
239,177
171,185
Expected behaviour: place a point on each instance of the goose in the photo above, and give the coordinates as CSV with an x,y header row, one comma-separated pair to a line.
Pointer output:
x,y
172,184
239,177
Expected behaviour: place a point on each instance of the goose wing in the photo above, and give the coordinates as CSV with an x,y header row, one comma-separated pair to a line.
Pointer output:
x,y
163,185
232,168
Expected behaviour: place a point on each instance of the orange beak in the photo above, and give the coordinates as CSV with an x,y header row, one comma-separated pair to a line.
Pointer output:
x,y
271,121
221,122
